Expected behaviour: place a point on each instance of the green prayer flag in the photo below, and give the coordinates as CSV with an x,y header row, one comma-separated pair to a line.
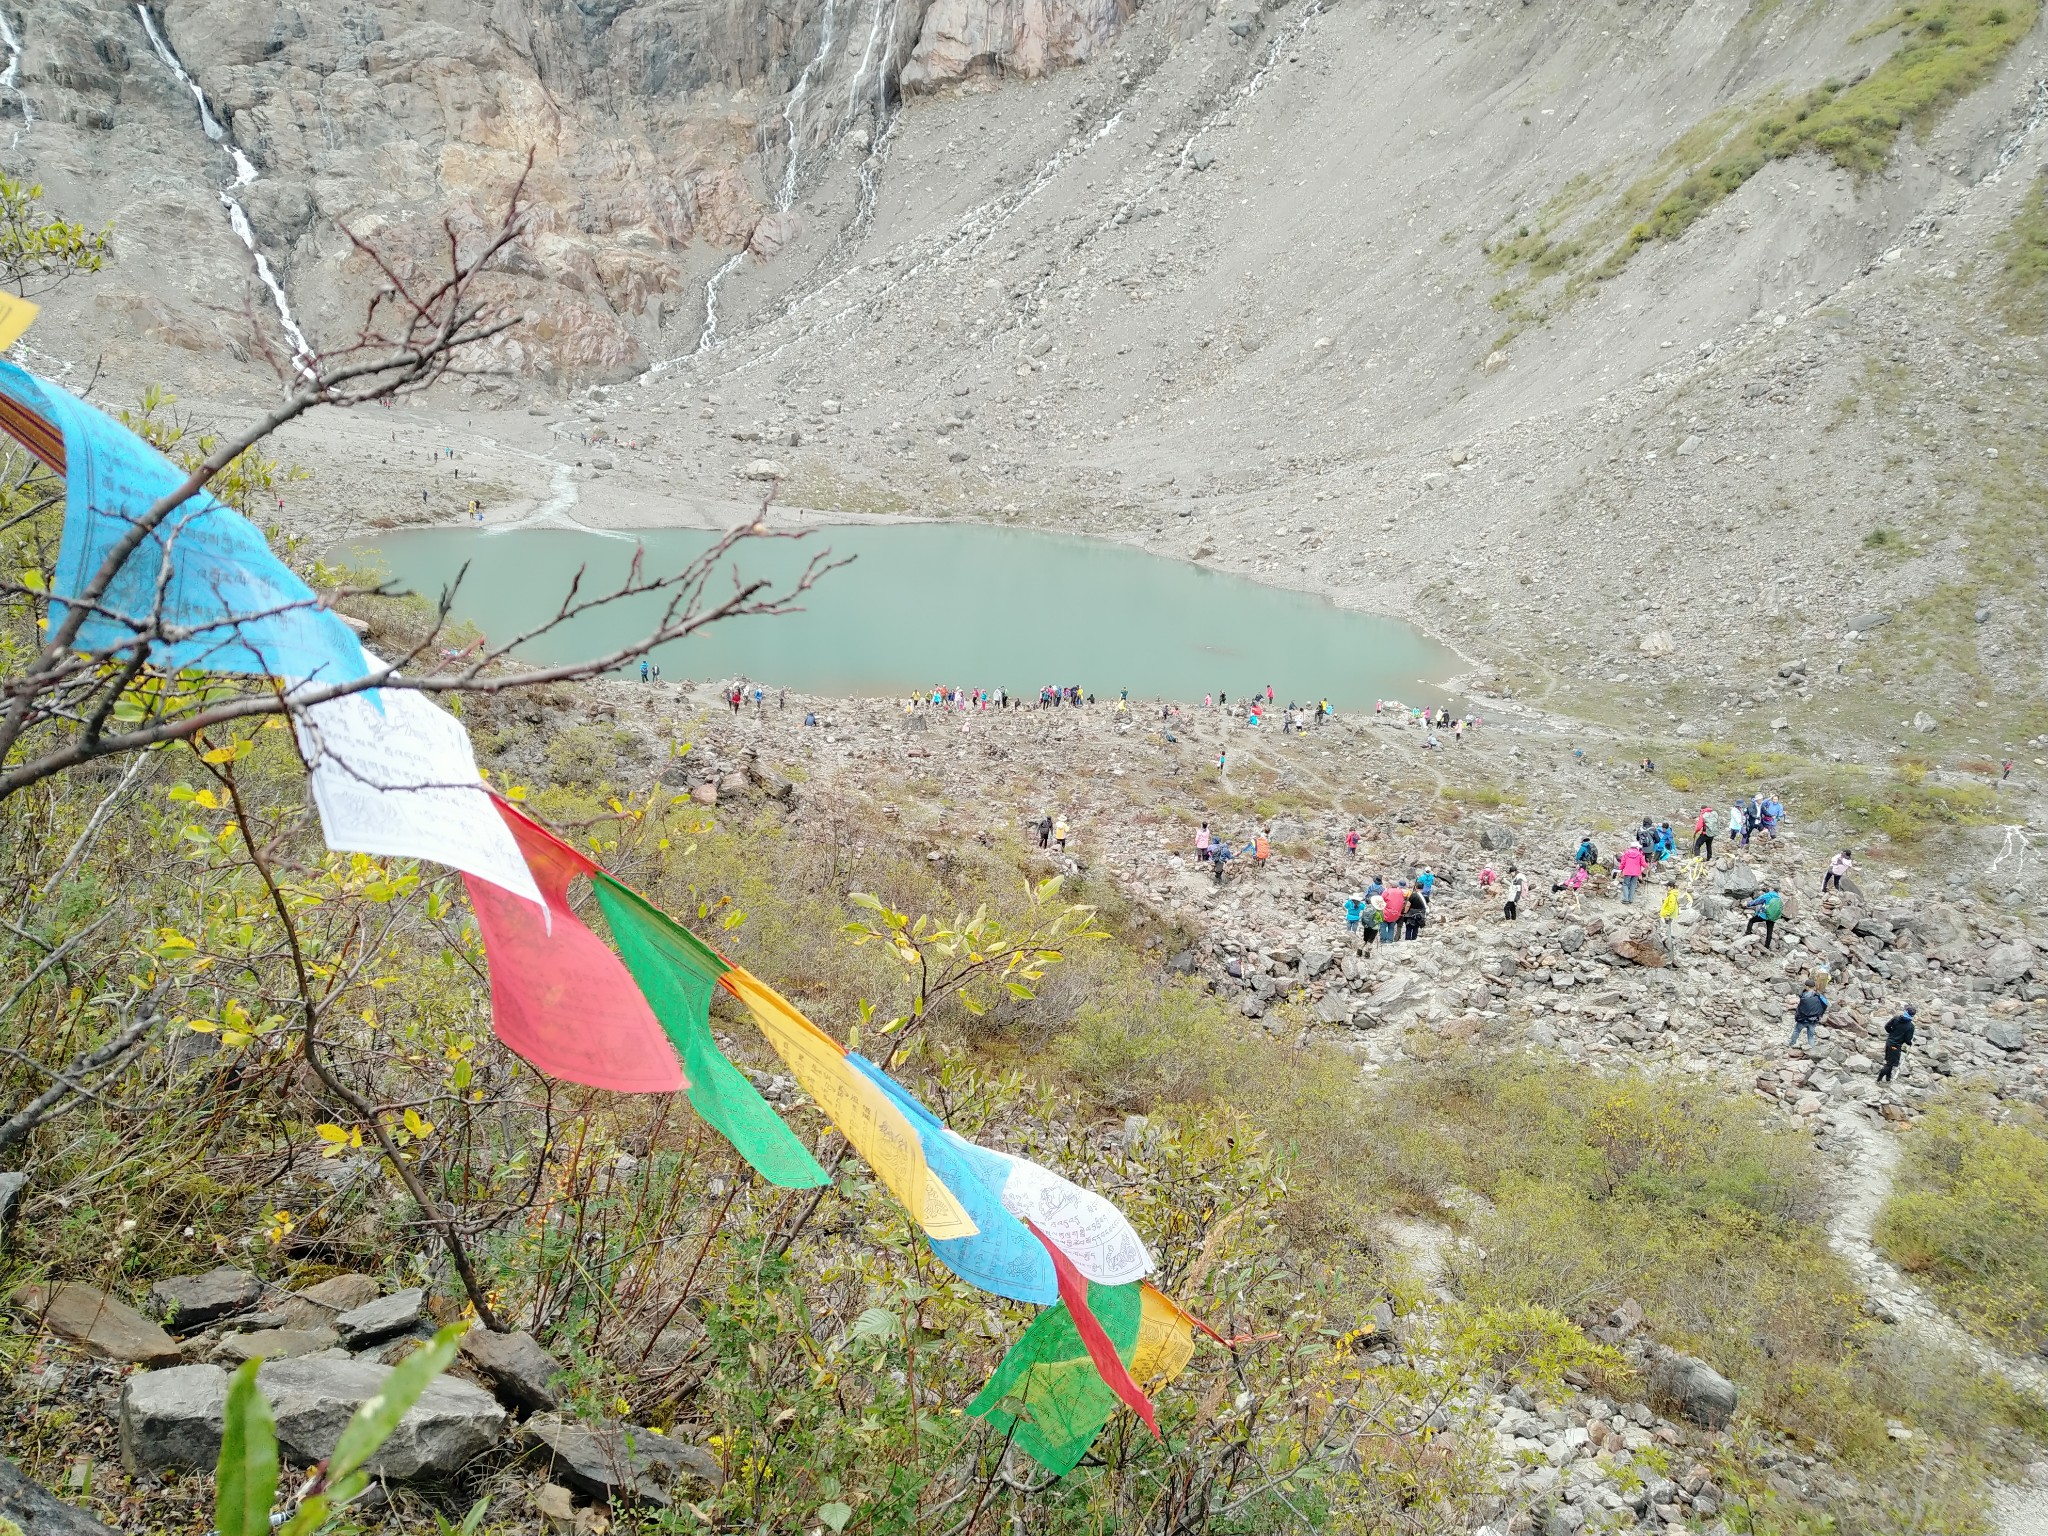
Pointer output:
x,y
678,972
1049,1389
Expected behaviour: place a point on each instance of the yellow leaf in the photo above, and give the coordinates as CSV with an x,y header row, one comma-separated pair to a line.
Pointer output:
x,y
330,1133
225,754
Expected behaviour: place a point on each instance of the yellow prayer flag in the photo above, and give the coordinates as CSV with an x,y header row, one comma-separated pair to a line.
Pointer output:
x,y
16,316
857,1105
1165,1341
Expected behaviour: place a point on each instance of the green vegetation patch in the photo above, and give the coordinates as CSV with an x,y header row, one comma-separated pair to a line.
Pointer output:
x,y
1968,1217
2023,284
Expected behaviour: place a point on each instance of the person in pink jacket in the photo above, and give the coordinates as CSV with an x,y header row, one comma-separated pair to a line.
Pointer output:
x,y
1630,867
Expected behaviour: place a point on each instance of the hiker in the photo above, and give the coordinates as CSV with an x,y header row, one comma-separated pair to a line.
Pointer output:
x,y
1630,867
1811,1008
1351,842
1704,831
1202,844
1425,882
1261,846
1354,912
1514,889
1765,907
1393,902
1059,833
1375,908
1044,831
1898,1034
643,669
1667,843
1588,853
1414,913
1219,859
1646,839
2004,768
1840,865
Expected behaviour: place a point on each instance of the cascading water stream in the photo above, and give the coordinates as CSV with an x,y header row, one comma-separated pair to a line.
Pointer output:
x,y
10,79
245,175
792,109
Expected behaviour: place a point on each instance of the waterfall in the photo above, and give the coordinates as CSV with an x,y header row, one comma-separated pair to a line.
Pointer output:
x,y
245,175
792,109
711,286
10,79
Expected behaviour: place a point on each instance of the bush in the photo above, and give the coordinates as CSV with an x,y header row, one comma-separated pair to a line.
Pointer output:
x,y
1969,1216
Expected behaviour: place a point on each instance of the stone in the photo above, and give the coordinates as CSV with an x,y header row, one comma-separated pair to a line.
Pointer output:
x,y
1639,951
26,1507
2006,1034
1564,1520
1657,642
1496,838
188,1302
88,1317
520,1373
705,793
1925,723
1314,962
555,1504
1693,1389
172,1418
1864,623
765,469
12,1187
342,1293
1334,1008
273,1344
313,1399
1495,361
378,1320
606,1459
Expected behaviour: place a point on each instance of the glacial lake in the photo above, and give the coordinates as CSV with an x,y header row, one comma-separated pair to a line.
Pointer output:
x,y
925,604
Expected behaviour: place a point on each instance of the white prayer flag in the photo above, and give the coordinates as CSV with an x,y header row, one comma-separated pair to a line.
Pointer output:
x,y
402,781
1084,1226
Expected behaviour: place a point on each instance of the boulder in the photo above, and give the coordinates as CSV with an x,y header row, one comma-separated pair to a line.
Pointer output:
x,y
12,1186
187,1302
1639,950
519,1371
2006,1034
607,1460
705,793
1313,963
1496,838
1657,642
97,1323
765,469
2009,963
1334,1008
384,1318
1739,880
342,1293
1692,1389
273,1344
26,1507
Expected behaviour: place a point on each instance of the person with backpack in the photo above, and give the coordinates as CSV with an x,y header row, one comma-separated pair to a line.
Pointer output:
x,y
1765,907
1811,1008
1354,912
1667,843
1514,889
1351,842
1587,853
1630,866
1262,846
1705,829
1045,831
1393,902
1415,912
1898,1034
1841,865
1646,839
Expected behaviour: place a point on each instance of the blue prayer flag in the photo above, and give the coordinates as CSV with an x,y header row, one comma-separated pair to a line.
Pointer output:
x,y
222,570
1003,1256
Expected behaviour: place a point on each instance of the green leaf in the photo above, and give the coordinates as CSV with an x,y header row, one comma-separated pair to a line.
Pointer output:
x,y
835,1514
378,1418
245,1479
877,1323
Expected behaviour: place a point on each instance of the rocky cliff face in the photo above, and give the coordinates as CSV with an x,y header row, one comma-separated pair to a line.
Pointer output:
x,y
665,135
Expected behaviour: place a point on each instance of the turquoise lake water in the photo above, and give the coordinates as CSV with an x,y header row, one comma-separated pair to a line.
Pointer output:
x,y
924,604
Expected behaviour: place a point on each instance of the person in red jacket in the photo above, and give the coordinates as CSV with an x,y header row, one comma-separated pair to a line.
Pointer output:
x,y
1630,866
1395,902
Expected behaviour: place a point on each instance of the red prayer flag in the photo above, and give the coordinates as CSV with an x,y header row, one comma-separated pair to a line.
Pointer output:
x,y
559,997
1074,1292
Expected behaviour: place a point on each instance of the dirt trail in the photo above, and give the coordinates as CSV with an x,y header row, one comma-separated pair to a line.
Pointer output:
x,y
2020,1511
